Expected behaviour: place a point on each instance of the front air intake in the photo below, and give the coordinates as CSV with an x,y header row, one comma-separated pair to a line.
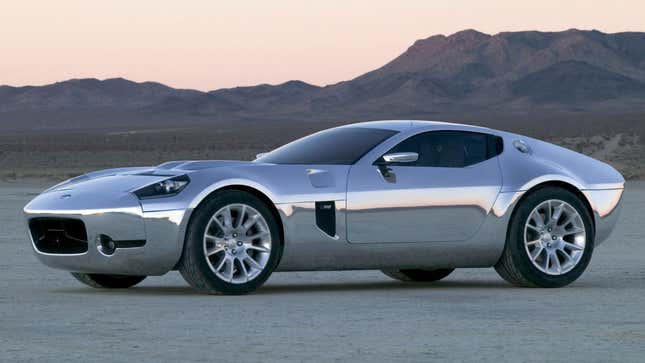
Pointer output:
x,y
58,235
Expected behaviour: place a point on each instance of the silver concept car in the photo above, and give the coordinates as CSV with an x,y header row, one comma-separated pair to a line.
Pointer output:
x,y
414,199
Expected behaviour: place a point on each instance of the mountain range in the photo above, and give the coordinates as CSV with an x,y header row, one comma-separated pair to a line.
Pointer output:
x,y
469,72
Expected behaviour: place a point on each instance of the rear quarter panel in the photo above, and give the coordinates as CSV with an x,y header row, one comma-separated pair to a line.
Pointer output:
x,y
547,162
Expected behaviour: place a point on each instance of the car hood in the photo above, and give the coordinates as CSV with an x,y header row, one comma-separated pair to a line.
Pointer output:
x,y
130,179
194,165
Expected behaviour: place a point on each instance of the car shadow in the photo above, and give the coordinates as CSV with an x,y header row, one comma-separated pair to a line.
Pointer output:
x,y
376,286
302,288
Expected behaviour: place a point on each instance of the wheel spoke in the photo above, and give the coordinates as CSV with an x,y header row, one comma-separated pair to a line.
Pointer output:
x,y
212,238
222,263
256,235
569,219
253,262
240,216
250,222
537,218
243,270
219,224
214,250
534,228
231,269
228,218
536,252
533,243
258,248
574,230
557,213
547,259
556,262
573,246
547,213
567,256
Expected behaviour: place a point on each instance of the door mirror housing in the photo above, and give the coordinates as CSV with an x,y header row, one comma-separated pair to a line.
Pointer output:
x,y
404,157
394,158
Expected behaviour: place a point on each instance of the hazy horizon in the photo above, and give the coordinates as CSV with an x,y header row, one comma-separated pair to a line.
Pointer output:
x,y
211,44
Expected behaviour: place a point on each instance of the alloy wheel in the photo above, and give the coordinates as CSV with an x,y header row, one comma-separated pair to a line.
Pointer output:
x,y
554,237
237,243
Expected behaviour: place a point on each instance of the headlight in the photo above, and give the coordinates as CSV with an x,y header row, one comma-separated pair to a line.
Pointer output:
x,y
164,188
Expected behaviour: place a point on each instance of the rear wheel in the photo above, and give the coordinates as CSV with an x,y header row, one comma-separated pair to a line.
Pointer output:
x,y
232,246
108,281
549,242
418,275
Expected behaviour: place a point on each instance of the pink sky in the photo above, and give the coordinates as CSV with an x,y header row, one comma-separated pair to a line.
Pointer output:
x,y
213,44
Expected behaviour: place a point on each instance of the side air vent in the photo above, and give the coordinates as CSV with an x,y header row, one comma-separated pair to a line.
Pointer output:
x,y
326,217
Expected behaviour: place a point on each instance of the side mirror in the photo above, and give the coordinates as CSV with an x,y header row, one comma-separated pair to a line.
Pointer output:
x,y
257,156
405,157
387,159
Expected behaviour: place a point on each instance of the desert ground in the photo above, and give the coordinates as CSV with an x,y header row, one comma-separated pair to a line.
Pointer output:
x,y
473,315
58,154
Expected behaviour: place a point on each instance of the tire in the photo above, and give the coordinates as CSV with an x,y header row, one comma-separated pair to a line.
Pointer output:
x,y
417,275
108,281
208,274
516,264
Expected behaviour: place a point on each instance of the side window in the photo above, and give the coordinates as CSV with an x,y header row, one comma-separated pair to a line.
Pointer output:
x,y
450,149
411,144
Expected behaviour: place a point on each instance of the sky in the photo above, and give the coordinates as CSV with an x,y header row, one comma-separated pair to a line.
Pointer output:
x,y
211,44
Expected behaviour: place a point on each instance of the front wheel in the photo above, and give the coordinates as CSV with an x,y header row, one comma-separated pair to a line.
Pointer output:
x,y
232,245
108,281
418,275
549,242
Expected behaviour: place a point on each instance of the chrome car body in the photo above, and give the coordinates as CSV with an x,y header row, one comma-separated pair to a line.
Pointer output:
x,y
426,218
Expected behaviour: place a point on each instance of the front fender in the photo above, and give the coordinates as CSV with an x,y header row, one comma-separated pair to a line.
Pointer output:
x,y
228,183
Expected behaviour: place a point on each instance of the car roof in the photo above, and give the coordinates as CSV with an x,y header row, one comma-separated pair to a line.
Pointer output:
x,y
404,125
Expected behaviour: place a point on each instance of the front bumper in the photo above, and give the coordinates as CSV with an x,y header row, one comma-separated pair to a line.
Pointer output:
x,y
120,218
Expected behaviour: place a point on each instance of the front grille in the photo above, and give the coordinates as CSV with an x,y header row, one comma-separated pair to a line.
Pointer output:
x,y
58,235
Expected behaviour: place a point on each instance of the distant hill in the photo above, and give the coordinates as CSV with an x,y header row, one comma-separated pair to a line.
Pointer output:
x,y
574,71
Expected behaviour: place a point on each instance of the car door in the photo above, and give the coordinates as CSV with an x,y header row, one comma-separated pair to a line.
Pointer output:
x,y
443,196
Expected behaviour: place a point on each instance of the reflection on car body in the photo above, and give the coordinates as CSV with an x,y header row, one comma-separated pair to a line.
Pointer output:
x,y
415,199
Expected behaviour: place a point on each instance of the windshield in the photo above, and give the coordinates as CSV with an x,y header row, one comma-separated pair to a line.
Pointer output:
x,y
339,146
